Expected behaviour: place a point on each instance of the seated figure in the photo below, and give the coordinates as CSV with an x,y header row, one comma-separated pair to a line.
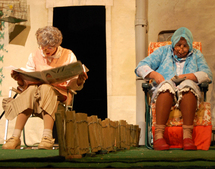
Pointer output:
x,y
177,70
41,99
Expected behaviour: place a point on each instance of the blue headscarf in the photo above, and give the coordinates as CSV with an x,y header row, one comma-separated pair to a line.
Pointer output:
x,y
185,33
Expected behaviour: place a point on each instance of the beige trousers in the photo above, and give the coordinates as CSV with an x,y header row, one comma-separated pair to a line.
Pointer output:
x,y
38,98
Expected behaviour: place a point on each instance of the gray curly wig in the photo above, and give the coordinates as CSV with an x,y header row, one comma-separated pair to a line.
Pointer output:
x,y
49,35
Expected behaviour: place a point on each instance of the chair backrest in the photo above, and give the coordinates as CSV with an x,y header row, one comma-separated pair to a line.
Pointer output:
x,y
154,45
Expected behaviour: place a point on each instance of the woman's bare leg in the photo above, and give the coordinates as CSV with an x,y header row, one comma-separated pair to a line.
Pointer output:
x,y
47,140
48,121
22,119
188,106
20,122
163,107
14,142
48,125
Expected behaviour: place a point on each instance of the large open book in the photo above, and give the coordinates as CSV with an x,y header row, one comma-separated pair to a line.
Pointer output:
x,y
53,75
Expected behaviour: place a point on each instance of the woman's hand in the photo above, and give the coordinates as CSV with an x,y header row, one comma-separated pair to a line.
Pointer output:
x,y
189,76
156,76
81,78
16,76
22,84
178,80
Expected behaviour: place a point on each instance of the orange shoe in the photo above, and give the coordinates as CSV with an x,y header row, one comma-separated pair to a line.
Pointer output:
x,y
160,144
188,144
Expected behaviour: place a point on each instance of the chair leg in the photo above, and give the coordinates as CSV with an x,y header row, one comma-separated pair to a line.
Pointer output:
x,y
6,130
24,138
7,121
148,125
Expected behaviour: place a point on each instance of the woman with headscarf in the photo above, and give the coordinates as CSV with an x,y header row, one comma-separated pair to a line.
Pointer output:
x,y
42,99
177,70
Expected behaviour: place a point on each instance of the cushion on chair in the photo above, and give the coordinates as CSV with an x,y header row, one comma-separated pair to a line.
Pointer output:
x,y
202,127
154,45
201,136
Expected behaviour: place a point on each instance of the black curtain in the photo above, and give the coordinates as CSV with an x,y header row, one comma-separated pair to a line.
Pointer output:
x,y
83,29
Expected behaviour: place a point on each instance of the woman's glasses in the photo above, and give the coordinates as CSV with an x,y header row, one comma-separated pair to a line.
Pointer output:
x,y
44,48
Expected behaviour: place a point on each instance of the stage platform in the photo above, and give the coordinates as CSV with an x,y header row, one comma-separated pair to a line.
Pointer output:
x,y
138,157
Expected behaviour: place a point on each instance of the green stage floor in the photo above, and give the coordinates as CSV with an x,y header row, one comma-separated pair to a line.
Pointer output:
x,y
139,157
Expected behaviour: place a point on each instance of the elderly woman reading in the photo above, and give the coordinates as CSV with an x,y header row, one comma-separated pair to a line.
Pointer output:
x,y
177,70
41,99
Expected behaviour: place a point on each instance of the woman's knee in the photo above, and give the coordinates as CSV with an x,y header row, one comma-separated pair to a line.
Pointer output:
x,y
167,89
188,83
189,94
46,88
166,93
164,89
31,89
47,94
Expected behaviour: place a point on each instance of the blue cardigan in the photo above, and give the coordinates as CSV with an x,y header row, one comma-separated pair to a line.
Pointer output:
x,y
162,61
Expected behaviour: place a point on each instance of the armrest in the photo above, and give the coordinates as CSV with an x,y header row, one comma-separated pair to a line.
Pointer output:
x,y
204,86
15,90
146,85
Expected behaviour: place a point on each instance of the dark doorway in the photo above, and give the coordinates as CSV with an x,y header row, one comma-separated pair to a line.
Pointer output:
x,y
83,29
